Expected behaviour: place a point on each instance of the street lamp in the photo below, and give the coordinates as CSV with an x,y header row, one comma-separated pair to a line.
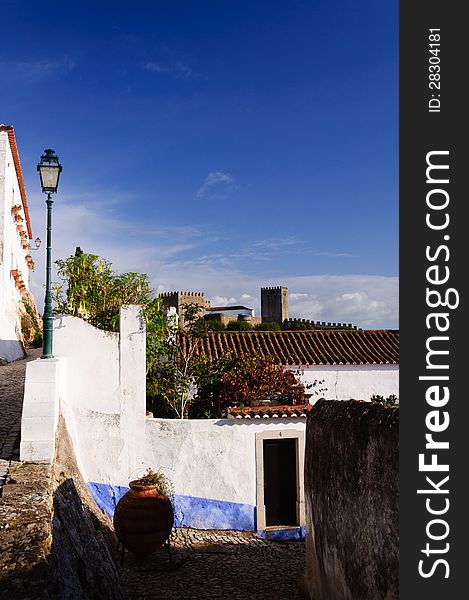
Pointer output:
x,y
37,243
49,170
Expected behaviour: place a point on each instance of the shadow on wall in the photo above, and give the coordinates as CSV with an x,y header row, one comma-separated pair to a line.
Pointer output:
x,y
352,501
81,565
11,350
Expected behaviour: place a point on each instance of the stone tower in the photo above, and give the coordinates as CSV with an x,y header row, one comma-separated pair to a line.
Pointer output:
x,y
181,299
274,304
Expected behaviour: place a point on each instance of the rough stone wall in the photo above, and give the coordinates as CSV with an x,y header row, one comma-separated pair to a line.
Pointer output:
x,y
25,531
351,495
55,543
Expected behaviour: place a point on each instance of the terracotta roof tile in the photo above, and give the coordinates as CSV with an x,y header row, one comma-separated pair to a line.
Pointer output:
x,y
304,348
270,412
19,174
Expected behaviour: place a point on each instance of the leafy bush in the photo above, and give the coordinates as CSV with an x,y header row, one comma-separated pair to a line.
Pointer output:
x,y
391,400
297,326
212,325
239,326
267,326
30,326
157,478
242,382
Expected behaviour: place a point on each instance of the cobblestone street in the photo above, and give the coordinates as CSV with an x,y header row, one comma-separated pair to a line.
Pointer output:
x,y
11,402
217,564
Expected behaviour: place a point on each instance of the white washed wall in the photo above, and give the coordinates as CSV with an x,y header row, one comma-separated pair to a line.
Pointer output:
x,y
210,455
346,382
213,464
12,256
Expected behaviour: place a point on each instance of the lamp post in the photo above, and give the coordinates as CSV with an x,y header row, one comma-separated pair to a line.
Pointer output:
x,y
49,170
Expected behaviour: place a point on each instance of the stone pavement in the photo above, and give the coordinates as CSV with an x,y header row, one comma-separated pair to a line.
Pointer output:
x,y
11,404
217,564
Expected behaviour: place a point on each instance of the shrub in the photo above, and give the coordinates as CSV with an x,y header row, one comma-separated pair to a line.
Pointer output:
x,y
391,400
212,325
239,326
297,326
243,382
267,326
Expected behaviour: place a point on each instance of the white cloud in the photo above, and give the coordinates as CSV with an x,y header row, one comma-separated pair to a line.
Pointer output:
x,y
176,68
35,71
217,183
94,224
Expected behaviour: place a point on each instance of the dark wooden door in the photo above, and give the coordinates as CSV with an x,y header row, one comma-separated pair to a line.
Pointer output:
x,y
280,482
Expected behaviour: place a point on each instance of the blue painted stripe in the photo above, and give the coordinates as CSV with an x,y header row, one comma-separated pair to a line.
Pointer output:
x,y
284,535
106,496
205,513
190,511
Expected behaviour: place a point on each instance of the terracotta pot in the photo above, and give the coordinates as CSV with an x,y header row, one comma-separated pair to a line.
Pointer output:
x,y
143,519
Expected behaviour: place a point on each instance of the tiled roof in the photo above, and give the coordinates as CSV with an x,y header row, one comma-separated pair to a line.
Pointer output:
x,y
304,348
19,174
269,412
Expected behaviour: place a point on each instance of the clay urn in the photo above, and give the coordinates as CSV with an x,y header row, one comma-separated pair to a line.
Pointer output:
x,y
143,518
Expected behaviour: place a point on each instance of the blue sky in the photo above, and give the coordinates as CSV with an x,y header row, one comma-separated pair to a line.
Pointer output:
x,y
217,145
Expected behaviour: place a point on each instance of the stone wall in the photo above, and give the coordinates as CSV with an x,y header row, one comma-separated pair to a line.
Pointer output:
x,y
55,543
351,495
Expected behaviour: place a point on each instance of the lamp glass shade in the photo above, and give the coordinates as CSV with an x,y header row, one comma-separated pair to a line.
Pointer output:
x,y
49,170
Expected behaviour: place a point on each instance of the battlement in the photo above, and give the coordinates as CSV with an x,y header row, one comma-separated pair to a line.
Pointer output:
x,y
181,294
274,288
317,324
179,300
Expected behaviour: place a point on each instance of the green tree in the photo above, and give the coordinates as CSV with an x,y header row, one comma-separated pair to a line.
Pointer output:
x,y
171,378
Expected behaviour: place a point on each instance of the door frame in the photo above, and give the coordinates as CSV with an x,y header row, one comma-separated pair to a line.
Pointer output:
x,y
276,434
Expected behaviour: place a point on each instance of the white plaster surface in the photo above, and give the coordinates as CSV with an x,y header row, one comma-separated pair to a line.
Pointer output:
x,y
12,256
93,364
346,382
104,409
210,458
43,390
104,403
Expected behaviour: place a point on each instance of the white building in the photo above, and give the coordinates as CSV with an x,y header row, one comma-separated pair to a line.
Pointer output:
x,y
15,236
242,473
336,364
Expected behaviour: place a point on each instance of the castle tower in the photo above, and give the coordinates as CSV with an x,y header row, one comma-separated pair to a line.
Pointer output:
x,y
274,304
181,299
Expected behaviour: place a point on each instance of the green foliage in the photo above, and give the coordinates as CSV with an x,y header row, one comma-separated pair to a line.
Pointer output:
x,y
91,290
243,382
160,480
239,326
171,377
25,325
390,401
298,326
213,325
208,378
267,326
